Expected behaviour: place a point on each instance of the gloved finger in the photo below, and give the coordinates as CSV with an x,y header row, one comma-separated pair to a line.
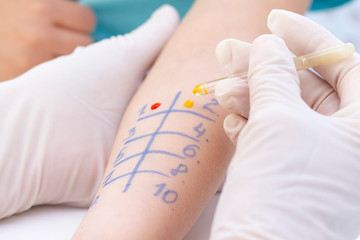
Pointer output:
x,y
140,47
304,36
233,124
145,42
272,76
233,55
317,93
233,94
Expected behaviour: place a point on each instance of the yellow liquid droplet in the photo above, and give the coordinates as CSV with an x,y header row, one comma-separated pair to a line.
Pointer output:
x,y
197,90
200,89
189,103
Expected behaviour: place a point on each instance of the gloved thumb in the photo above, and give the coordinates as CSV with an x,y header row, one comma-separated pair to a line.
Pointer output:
x,y
147,40
233,125
272,76
233,93
142,45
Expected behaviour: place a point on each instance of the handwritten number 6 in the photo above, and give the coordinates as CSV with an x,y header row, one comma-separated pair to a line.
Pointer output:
x,y
190,150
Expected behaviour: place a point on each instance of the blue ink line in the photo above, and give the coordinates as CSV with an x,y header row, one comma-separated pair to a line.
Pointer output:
x,y
152,115
138,172
180,134
120,155
194,113
95,201
149,152
166,153
151,142
159,133
138,138
177,111
128,158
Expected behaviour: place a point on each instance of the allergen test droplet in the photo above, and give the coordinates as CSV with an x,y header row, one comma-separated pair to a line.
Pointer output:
x,y
155,106
189,103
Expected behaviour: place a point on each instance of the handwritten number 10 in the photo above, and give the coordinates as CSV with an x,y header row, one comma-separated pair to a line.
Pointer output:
x,y
169,196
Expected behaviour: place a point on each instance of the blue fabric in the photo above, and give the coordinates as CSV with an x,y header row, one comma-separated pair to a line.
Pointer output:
x,y
323,4
122,16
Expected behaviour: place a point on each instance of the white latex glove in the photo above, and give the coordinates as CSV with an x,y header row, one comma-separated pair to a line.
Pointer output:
x,y
59,120
231,53
295,173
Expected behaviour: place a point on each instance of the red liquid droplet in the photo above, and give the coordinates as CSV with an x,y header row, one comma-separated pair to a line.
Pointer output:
x,y
155,106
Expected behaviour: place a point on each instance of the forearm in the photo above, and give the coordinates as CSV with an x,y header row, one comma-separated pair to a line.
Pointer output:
x,y
168,162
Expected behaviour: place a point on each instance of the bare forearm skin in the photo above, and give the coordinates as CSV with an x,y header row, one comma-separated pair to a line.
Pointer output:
x,y
167,163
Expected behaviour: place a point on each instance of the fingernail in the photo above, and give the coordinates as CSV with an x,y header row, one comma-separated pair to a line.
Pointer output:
x,y
275,19
165,12
232,125
233,55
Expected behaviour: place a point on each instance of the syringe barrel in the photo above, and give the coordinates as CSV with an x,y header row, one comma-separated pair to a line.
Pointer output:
x,y
325,56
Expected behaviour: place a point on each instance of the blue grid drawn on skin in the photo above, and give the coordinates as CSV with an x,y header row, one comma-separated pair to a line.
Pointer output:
x,y
152,136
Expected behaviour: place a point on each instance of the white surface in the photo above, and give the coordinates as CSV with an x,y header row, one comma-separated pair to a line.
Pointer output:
x,y
42,223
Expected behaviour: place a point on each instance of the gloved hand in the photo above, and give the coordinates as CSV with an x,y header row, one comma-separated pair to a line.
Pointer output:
x,y
296,172
231,53
59,120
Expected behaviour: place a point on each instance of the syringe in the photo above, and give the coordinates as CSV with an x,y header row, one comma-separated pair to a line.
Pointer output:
x,y
303,62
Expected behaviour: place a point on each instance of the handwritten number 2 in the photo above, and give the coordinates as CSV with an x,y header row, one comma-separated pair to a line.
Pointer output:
x,y
212,103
